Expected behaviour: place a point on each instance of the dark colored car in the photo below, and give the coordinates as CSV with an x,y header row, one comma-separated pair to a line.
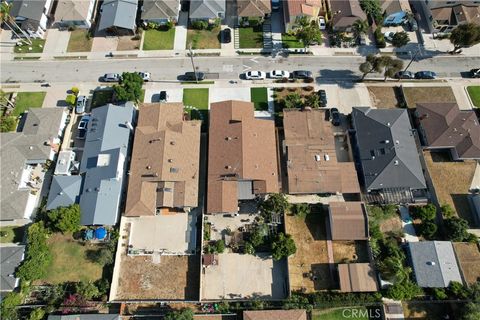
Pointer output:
x,y
227,35
323,97
190,76
404,75
335,116
425,75
162,96
302,74
475,73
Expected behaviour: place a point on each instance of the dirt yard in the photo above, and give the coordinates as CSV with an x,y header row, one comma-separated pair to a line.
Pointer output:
x,y
391,224
451,181
383,97
127,43
468,255
350,251
414,95
308,268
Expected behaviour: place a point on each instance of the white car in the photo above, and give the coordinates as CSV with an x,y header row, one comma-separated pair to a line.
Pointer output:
x,y
255,75
321,23
145,76
279,74
389,35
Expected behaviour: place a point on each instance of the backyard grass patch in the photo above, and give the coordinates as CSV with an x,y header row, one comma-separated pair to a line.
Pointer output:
x,y
359,313
159,39
198,99
469,259
259,97
27,100
36,47
79,41
251,37
290,41
102,97
474,93
204,39
12,234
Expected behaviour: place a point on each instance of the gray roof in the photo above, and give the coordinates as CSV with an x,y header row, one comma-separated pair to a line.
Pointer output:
x,y
31,146
10,258
206,9
103,163
96,316
160,9
387,149
30,9
118,13
64,191
434,263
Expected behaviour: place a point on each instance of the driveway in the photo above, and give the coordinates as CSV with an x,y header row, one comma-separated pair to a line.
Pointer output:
x,y
104,44
222,94
180,40
277,29
56,43
153,95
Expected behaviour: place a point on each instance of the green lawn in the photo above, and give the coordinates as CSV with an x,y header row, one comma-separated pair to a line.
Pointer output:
x,y
474,93
101,97
79,42
27,100
36,47
197,98
358,313
159,39
291,42
259,97
251,37
204,39
11,234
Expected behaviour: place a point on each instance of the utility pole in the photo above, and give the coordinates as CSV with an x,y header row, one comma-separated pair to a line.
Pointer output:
x,y
193,64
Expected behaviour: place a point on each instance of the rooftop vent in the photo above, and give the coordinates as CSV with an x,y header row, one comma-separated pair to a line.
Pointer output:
x,y
228,167
228,138
395,162
170,160
172,143
317,157
388,124
149,167
326,157
387,141
173,170
431,263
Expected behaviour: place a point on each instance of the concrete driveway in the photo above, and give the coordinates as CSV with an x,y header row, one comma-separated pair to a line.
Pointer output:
x,y
104,44
57,42
153,95
235,93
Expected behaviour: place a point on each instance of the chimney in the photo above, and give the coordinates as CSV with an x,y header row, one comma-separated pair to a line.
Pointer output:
x,y
129,125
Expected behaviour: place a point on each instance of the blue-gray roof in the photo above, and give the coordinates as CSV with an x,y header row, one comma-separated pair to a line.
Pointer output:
x,y
104,162
64,191
387,150
30,9
118,13
207,9
10,258
434,263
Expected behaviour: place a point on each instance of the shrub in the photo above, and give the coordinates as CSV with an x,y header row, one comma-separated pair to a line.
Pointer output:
x,y
248,248
75,90
428,229
184,314
88,290
308,80
200,25
425,213
308,88
72,27
379,38
8,307
65,219
38,256
439,293
456,229
169,25
447,211
71,99
300,209
283,246
103,256
37,314
405,290
8,123
220,246
137,37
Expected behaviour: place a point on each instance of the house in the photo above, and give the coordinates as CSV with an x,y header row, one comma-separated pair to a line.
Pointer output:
x,y
118,16
10,258
275,315
443,15
313,165
253,8
24,155
357,277
387,156
104,162
393,6
293,10
208,10
242,159
160,11
32,16
78,13
348,220
164,169
434,263
64,191
345,13
444,126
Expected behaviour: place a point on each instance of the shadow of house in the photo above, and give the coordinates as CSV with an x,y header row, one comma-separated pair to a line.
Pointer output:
x,y
316,224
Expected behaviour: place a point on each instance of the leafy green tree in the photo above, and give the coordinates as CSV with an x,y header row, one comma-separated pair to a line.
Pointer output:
x,y
8,307
447,211
439,293
8,123
71,99
37,314
425,213
87,289
392,268
256,237
219,246
309,34
276,202
457,290
283,246
456,229
360,27
428,230
75,91
465,35
129,88
248,248
405,290
471,311
184,314
312,101
300,209
103,285
38,256
400,39
65,219
293,100
374,64
392,67
373,9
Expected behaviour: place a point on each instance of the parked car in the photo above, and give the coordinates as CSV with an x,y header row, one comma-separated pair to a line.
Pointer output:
x,y
425,75
404,75
145,76
81,104
227,35
163,96
335,116
81,134
389,35
255,75
475,73
111,77
82,125
190,76
322,94
302,74
275,4
279,74
321,23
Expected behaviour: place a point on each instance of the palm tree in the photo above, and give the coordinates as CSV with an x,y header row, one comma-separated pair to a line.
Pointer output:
x,y
10,22
313,101
360,27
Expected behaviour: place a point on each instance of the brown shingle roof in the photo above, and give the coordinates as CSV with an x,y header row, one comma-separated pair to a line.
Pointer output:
x,y
348,221
241,147
445,125
298,8
357,277
253,8
275,315
457,14
347,12
310,142
165,160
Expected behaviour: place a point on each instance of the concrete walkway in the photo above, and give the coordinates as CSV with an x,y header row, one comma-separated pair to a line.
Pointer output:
x,y
277,30
407,224
180,41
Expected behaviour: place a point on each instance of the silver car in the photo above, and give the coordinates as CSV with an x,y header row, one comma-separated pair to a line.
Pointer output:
x,y
255,75
81,104
279,74
111,77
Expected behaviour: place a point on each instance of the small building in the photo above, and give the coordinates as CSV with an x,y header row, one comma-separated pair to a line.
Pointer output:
x,y
10,258
207,10
294,10
275,315
348,221
357,277
345,13
434,263
32,16
75,13
64,191
160,11
118,16
443,126
253,8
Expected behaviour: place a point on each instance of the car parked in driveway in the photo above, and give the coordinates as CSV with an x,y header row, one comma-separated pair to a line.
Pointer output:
x,y
81,104
279,74
145,76
111,77
425,75
163,97
321,23
190,76
302,74
227,35
322,95
82,125
255,75
335,116
404,75
475,73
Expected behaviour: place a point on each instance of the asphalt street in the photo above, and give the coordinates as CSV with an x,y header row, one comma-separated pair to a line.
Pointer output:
x,y
334,68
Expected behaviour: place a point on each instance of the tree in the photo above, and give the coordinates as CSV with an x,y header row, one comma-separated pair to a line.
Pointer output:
x,y
256,237
300,209
313,101
392,268
38,256
428,229
405,290
87,289
309,35
37,314
392,67
104,256
297,301
184,314
447,211
75,91
283,246
129,87
8,307
374,64
457,290
456,229
400,39
248,248
65,219
471,311
8,123
425,213
439,293
219,246
465,35
71,99
293,100
372,8
360,27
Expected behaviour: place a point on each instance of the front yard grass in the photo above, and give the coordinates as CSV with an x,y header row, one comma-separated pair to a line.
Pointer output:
x,y
291,42
27,100
79,41
36,47
414,95
102,97
204,39
259,97
474,93
198,99
251,37
12,234
158,39
361,313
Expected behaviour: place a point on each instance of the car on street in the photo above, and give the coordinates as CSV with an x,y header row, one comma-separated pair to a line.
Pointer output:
x,y
404,75
335,116
322,95
227,35
279,74
321,23
111,77
82,125
255,75
302,74
190,76
425,75
145,76
81,104
475,73
163,96
389,35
